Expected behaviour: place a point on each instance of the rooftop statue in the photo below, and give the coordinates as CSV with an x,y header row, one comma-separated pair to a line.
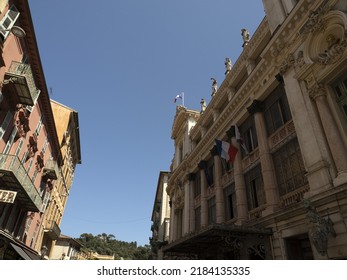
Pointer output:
x,y
228,65
214,86
203,105
245,36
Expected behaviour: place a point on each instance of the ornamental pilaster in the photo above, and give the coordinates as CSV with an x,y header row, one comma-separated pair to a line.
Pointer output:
x,y
310,138
318,94
191,179
220,213
203,196
239,179
267,165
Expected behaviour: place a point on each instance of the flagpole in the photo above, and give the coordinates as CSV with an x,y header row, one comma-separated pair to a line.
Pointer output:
x,y
182,98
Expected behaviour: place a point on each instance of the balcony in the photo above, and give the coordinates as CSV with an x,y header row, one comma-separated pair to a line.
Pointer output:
x,y
14,177
51,170
21,83
52,230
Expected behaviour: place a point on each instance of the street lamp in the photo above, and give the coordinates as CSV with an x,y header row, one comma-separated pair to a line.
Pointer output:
x,y
43,252
16,31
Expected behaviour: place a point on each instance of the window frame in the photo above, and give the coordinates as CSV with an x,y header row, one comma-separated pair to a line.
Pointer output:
x,y
255,187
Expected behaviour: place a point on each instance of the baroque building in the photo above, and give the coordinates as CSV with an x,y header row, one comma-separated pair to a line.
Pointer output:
x,y
283,105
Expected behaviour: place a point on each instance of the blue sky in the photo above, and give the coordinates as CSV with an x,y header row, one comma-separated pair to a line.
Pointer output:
x,y
120,63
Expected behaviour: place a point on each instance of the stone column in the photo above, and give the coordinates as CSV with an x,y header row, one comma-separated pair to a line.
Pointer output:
x,y
309,137
337,147
177,155
267,165
203,196
191,178
172,222
186,208
218,173
239,179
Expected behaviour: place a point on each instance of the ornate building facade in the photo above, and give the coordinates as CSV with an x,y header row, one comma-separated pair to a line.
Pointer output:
x,y
36,164
283,105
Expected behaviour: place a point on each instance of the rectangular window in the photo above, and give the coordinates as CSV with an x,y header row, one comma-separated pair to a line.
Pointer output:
x,y
8,21
10,140
210,171
25,156
230,202
45,201
276,110
211,205
249,135
197,184
5,123
39,125
29,165
340,89
44,147
289,167
255,188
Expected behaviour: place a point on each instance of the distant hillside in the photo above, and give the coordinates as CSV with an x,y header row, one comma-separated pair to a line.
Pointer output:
x,y
107,244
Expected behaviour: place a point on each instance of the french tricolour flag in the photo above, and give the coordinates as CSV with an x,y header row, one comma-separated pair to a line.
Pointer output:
x,y
226,150
177,96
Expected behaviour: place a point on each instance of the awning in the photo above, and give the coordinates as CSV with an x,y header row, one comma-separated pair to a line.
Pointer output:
x,y
233,241
24,253
20,252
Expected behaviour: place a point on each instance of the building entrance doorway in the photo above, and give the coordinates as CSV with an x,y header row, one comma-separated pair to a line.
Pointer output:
x,y
299,248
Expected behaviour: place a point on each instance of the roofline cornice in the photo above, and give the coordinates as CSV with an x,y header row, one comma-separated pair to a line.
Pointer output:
x,y
36,66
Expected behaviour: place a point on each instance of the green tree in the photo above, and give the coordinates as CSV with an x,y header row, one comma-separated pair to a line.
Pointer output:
x,y
107,244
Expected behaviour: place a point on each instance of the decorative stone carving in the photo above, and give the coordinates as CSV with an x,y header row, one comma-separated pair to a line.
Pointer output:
x,y
315,22
39,162
320,229
288,62
300,61
22,122
328,45
32,145
178,199
336,48
317,90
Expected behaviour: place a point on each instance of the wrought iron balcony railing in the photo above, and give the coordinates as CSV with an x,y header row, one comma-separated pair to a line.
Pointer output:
x,y
14,177
21,83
